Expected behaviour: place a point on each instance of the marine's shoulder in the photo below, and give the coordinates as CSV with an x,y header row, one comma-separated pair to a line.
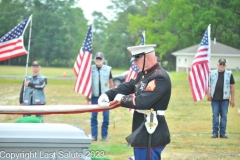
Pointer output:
x,y
161,72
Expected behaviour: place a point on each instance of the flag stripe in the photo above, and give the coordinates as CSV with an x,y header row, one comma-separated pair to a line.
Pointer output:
x,y
85,70
199,72
131,75
12,56
82,67
200,80
198,77
202,49
133,70
11,44
11,51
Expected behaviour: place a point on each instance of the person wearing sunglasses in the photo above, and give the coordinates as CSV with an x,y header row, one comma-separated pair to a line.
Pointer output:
x,y
221,93
32,91
148,94
101,82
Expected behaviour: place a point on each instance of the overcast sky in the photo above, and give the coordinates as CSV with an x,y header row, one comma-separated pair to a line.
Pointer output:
x,y
88,6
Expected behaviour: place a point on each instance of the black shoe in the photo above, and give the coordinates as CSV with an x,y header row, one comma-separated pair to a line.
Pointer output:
x,y
214,136
94,139
223,136
104,139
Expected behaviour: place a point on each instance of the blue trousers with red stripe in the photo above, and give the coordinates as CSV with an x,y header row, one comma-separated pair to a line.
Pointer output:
x,y
141,153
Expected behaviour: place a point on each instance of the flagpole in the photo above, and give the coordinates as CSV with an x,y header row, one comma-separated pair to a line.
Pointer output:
x,y
209,38
209,58
144,37
29,41
91,60
92,35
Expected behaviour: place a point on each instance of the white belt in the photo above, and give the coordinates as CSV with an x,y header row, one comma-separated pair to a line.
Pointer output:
x,y
151,121
159,112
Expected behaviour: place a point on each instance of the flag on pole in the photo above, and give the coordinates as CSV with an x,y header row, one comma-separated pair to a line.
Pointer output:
x,y
142,41
82,67
133,70
11,44
200,68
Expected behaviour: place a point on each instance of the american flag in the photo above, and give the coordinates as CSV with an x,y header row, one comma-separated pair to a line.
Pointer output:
x,y
11,44
200,69
133,70
142,41
82,67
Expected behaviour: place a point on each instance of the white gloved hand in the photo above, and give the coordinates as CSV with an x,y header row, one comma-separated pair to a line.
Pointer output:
x,y
118,97
103,100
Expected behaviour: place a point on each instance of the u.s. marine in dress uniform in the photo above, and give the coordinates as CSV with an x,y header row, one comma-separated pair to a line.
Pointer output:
x,y
149,94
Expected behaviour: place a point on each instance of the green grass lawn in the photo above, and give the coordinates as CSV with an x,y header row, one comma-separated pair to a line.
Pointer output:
x,y
189,122
19,71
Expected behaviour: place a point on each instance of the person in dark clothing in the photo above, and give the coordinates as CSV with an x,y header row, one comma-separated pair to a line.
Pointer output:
x,y
32,91
221,88
151,94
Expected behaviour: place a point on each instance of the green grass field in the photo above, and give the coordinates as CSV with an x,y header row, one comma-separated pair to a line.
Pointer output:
x,y
189,122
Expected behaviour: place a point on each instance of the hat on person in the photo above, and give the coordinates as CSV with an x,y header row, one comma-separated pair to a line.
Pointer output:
x,y
99,55
141,49
35,63
222,60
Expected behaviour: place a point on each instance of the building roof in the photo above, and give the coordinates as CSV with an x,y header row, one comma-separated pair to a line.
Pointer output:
x,y
217,49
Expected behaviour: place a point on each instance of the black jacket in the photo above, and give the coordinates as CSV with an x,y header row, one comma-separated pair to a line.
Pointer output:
x,y
152,89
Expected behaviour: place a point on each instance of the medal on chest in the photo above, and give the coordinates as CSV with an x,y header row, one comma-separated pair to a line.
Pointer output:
x,y
142,86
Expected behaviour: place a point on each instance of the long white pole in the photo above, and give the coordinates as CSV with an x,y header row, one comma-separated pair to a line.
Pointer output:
x,y
209,43
209,57
29,41
143,33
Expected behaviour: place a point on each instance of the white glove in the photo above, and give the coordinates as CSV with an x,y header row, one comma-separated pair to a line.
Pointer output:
x,y
118,97
103,100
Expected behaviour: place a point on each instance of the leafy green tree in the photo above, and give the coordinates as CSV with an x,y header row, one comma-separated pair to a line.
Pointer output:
x,y
116,36
166,24
58,29
56,32
174,25
100,23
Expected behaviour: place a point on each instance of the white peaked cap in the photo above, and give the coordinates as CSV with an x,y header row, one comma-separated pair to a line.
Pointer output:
x,y
141,49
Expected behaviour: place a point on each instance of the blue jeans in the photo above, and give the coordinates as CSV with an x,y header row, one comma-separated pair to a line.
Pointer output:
x,y
141,153
94,121
219,108
37,115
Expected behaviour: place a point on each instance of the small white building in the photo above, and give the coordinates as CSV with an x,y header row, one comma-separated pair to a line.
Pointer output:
x,y
184,57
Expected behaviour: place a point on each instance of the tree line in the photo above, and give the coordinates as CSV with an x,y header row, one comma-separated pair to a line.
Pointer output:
x,y
59,29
